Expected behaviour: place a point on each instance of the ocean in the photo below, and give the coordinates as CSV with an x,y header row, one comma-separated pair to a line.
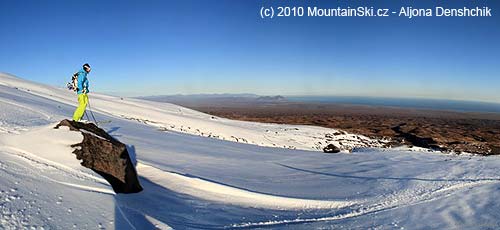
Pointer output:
x,y
434,104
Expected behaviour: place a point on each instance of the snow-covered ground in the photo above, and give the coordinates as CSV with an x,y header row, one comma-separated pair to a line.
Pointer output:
x,y
196,182
170,117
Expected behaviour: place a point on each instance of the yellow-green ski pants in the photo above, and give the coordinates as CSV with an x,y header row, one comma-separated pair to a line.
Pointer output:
x,y
83,100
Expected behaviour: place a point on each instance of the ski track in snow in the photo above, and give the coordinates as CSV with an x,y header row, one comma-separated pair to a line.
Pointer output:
x,y
212,191
124,216
158,224
399,200
220,193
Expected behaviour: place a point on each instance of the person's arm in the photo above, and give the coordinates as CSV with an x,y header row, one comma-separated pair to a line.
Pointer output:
x,y
81,79
86,85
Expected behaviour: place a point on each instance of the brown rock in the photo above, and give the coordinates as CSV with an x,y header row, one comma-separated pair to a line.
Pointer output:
x,y
106,156
330,148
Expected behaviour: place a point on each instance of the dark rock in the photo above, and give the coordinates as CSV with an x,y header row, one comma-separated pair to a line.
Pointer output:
x,y
495,150
106,156
331,149
416,140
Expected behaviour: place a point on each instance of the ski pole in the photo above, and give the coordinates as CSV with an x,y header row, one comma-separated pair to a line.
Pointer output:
x,y
92,113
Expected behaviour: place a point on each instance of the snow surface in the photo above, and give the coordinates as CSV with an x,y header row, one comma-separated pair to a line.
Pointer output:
x,y
170,117
196,182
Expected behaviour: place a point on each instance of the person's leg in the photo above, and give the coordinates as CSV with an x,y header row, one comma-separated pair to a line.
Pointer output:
x,y
82,104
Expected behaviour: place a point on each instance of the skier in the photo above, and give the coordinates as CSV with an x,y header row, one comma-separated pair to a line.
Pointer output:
x,y
82,88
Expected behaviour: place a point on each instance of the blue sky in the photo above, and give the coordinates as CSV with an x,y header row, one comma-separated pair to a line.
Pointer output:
x,y
169,47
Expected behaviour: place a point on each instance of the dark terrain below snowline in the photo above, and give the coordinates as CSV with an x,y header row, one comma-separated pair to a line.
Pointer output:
x,y
441,130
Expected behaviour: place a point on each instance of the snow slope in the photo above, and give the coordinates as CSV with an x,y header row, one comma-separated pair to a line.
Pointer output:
x,y
172,117
195,182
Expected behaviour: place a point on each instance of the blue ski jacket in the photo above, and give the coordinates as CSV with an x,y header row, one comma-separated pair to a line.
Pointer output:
x,y
83,82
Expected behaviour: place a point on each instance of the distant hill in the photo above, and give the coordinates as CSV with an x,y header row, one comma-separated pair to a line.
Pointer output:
x,y
271,98
198,96
215,99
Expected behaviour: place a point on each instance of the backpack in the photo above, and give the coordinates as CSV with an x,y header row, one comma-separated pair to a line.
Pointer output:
x,y
73,84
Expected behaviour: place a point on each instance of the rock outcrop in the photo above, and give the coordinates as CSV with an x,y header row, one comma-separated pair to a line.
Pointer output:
x,y
106,156
331,149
